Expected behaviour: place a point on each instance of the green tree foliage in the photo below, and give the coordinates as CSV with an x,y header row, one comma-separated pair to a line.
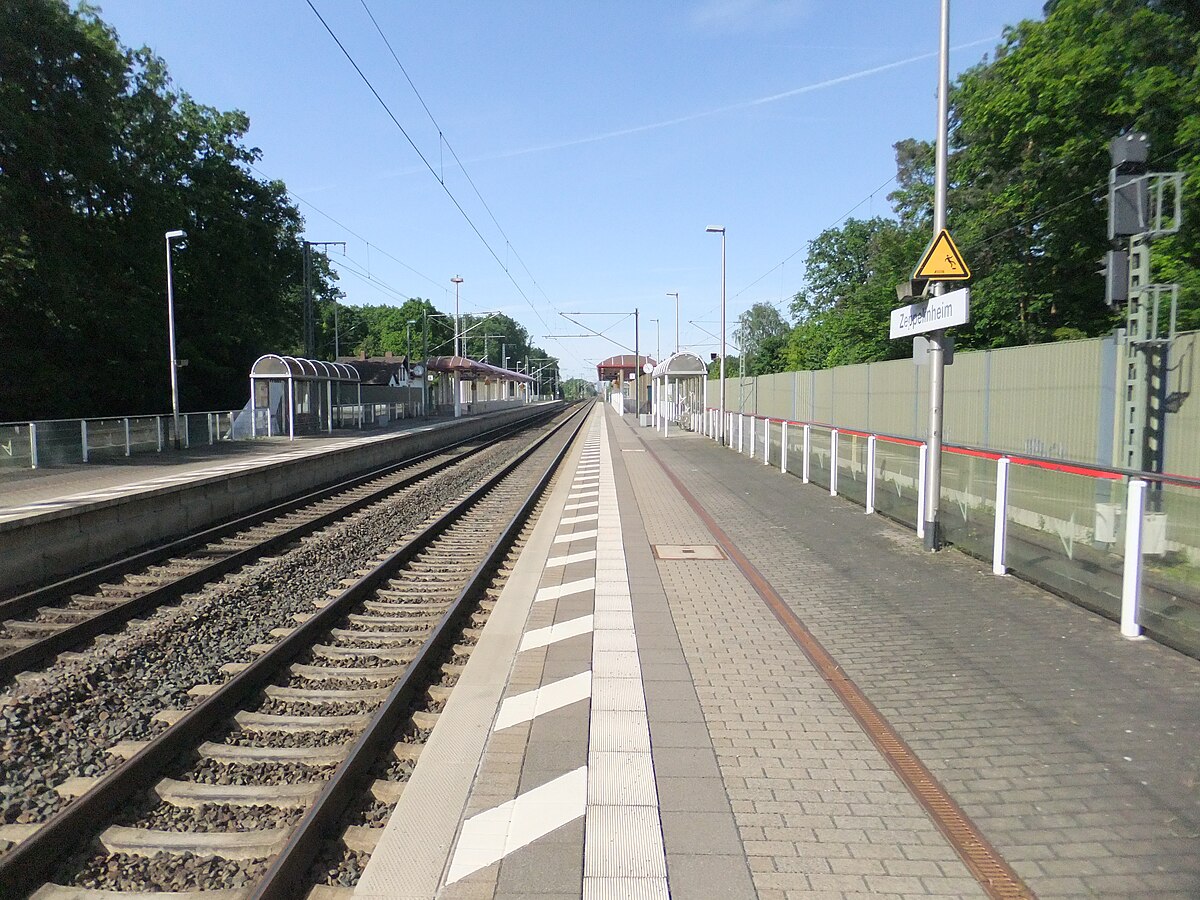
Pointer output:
x,y
762,335
1029,165
99,156
849,292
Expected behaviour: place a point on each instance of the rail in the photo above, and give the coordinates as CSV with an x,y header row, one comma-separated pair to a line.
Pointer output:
x,y
1123,543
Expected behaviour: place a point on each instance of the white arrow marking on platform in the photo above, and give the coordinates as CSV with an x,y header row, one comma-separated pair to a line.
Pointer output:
x,y
494,833
543,637
565,590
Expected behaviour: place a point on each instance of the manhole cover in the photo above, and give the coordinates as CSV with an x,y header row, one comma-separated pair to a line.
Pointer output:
x,y
688,551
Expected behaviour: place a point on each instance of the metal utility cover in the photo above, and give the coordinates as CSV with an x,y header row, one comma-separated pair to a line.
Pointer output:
x,y
688,551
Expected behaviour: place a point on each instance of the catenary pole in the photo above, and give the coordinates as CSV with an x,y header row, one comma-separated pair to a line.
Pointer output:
x,y
937,355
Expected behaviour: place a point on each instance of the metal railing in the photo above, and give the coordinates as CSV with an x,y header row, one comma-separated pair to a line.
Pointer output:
x,y
1122,543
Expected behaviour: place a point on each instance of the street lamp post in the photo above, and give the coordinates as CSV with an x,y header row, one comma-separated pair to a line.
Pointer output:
x,y
675,294
456,281
171,337
720,229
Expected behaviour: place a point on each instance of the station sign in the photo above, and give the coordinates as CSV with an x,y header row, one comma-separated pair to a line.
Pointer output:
x,y
933,314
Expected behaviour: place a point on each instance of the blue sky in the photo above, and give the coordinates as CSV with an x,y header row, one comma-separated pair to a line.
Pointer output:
x,y
603,138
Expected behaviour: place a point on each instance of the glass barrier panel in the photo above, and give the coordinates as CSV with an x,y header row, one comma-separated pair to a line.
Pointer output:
x,y
1170,609
968,507
897,475
852,467
819,462
60,443
106,439
195,428
143,434
775,436
1066,533
15,450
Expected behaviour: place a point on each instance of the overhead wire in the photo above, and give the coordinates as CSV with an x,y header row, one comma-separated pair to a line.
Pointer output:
x,y
441,181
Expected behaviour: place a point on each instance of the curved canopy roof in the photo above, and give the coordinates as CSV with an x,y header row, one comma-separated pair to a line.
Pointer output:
x,y
273,365
474,368
680,365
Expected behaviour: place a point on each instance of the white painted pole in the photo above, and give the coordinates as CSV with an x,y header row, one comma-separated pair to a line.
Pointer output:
x,y
921,491
1131,582
783,441
1000,534
871,474
833,462
804,469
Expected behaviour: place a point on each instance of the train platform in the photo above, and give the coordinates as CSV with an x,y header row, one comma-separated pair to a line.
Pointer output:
x,y
29,493
706,679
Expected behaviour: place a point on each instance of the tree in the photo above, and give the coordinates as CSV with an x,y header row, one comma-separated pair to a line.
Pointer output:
x,y
761,332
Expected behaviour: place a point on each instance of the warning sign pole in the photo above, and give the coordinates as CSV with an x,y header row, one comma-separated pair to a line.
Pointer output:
x,y
937,357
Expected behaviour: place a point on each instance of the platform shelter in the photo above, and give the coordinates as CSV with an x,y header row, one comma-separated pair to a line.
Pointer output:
x,y
291,396
680,385
622,373
481,386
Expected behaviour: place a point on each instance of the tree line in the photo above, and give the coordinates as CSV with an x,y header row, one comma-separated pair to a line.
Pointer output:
x,y
101,154
1027,205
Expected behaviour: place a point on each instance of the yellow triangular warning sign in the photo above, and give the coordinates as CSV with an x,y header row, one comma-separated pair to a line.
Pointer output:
x,y
942,261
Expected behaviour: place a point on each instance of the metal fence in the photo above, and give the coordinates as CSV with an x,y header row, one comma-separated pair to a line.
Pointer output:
x,y
62,442
1124,544
1058,400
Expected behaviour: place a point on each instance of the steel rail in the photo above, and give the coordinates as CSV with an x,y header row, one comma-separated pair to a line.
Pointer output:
x,y
27,865
43,649
287,876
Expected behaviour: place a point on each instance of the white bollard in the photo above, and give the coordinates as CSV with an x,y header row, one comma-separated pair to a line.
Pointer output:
x,y
921,491
870,474
833,462
804,470
1000,533
1131,581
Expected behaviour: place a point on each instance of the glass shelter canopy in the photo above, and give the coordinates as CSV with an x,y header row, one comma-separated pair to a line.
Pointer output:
x,y
291,396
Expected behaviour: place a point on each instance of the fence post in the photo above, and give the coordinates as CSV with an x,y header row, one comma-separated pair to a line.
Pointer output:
x,y
83,437
833,462
128,449
807,453
921,491
767,441
871,474
1131,581
1000,535
783,448
33,460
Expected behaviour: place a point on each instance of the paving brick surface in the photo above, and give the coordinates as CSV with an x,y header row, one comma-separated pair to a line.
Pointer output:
x,y
1076,752
818,812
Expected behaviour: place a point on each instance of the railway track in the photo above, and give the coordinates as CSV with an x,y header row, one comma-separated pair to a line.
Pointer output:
x,y
38,625
315,734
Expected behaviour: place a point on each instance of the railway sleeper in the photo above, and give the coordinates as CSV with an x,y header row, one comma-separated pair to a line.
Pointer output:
x,y
237,845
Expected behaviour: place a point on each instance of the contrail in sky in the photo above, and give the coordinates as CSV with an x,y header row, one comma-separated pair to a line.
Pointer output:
x,y
748,104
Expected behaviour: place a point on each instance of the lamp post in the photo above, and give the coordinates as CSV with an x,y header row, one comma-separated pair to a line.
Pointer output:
x,y
456,281
720,229
675,294
171,336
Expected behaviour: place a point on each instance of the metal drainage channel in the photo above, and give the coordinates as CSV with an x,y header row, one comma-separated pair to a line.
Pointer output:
x,y
403,583
73,611
985,863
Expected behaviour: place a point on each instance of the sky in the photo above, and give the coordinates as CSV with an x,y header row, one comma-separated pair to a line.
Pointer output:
x,y
566,156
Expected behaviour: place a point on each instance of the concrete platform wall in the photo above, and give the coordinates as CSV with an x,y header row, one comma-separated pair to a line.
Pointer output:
x,y
57,544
